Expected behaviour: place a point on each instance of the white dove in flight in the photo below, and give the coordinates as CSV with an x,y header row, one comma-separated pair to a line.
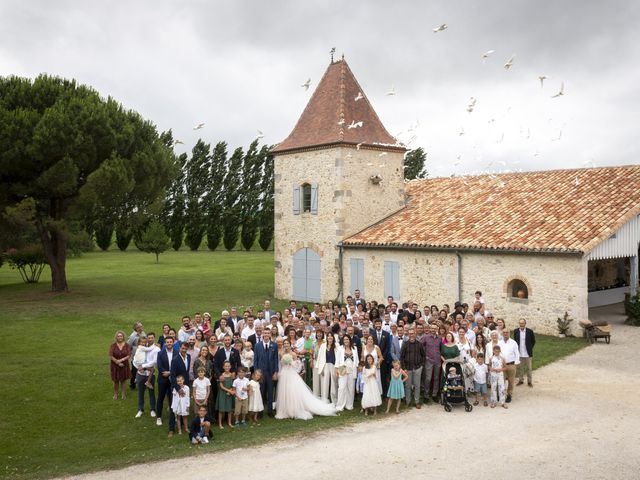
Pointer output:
x,y
542,78
359,96
440,28
306,84
486,55
354,124
509,63
392,91
560,92
199,126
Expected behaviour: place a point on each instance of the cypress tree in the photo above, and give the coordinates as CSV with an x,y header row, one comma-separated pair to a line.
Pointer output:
x,y
266,204
214,198
124,234
232,188
197,174
174,210
249,196
414,164
104,234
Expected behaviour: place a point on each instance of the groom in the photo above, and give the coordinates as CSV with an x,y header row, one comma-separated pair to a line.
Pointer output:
x,y
266,359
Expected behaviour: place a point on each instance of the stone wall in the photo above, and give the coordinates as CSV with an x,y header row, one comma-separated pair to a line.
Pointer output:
x,y
555,283
347,202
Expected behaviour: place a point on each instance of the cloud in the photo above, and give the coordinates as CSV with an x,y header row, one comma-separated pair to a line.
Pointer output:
x,y
238,66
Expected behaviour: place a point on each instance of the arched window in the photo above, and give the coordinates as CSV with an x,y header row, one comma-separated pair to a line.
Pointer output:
x,y
306,197
517,289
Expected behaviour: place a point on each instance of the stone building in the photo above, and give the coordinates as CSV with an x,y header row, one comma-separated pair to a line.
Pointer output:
x,y
536,244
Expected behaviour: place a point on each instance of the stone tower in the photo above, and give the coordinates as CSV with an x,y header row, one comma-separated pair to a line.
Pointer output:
x,y
338,172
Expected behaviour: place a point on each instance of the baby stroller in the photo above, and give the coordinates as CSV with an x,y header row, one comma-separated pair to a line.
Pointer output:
x,y
453,391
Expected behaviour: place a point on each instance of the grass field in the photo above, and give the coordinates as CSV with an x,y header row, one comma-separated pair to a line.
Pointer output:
x,y
58,416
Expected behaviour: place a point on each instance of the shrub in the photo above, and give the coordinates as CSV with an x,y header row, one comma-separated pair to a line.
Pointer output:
x,y
104,234
154,240
632,309
29,261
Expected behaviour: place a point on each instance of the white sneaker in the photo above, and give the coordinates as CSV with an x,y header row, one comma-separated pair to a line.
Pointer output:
x,y
205,439
194,441
139,414
159,421
153,414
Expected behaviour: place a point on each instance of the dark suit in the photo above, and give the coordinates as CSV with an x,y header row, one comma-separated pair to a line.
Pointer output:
x,y
525,362
252,339
220,357
267,361
385,348
178,368
164,383
529,339
229,324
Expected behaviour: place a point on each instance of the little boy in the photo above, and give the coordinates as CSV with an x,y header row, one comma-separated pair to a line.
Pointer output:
x,y
241,387
480,379
200,427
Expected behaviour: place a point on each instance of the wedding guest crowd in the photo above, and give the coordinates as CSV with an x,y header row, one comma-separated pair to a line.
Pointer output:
x,y
225,372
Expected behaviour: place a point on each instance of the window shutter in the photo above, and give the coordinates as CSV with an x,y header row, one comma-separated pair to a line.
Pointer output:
x,y
396,280
388,280
314,199
392,280
357,275
296,200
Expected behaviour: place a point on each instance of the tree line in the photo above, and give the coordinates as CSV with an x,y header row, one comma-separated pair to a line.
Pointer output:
x,y
216,196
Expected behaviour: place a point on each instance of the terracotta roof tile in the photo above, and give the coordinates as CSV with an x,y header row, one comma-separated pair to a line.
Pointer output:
x,y
331,109
568,211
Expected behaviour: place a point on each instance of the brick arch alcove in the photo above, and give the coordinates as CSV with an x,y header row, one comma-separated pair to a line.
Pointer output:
x,y
508,286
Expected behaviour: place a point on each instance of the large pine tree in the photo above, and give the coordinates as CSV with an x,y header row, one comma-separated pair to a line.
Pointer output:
x,y
414,164
232,186
197,174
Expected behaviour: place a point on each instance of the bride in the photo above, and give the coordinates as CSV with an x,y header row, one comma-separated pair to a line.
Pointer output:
x,y
295,398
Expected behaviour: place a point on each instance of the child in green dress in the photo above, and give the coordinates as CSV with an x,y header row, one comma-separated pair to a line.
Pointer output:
x,y
224,402
396,386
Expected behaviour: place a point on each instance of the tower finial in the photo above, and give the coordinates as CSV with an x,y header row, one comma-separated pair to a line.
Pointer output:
x,y
333,50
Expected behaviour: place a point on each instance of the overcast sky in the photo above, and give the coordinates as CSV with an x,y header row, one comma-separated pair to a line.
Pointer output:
x,y
238,66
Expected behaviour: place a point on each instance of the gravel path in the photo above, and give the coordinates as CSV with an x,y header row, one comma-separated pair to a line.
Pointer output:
x,y
579,421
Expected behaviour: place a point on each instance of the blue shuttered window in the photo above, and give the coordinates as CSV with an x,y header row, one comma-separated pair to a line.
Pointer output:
x,y
357,275
296,200
314,199
392,280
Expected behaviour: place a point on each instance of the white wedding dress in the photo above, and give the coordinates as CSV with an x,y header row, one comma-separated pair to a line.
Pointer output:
x,y
296,400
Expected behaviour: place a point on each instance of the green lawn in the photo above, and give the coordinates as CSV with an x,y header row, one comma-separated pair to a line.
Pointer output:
x,y
58,416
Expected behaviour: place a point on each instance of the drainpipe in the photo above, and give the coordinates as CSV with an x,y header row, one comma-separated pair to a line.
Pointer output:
x,y
459,275
340,279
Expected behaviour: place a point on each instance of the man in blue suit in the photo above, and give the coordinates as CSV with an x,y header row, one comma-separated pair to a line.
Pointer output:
x,y
383,340
180,366
165,359
266,359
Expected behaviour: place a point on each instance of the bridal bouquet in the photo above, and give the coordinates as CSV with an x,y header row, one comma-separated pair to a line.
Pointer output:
x,y
286,359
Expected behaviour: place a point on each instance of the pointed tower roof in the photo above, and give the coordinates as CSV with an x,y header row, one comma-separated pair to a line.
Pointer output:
x,y
332,108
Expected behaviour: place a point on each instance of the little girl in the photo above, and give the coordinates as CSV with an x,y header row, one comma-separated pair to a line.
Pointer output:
x,y
180,404
224,402
201,390
371,393
138,360
396,386
246,357
497,368
255,397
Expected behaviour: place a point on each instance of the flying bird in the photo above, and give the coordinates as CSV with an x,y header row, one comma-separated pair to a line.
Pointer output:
x,y
461,131
560,92
472,104
558,138
382,154
486,54
509,63
542,78
577,181
359,96
440,28
341,122
259,135
176,142
306,84
358,146
199,126
392,91
355,124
